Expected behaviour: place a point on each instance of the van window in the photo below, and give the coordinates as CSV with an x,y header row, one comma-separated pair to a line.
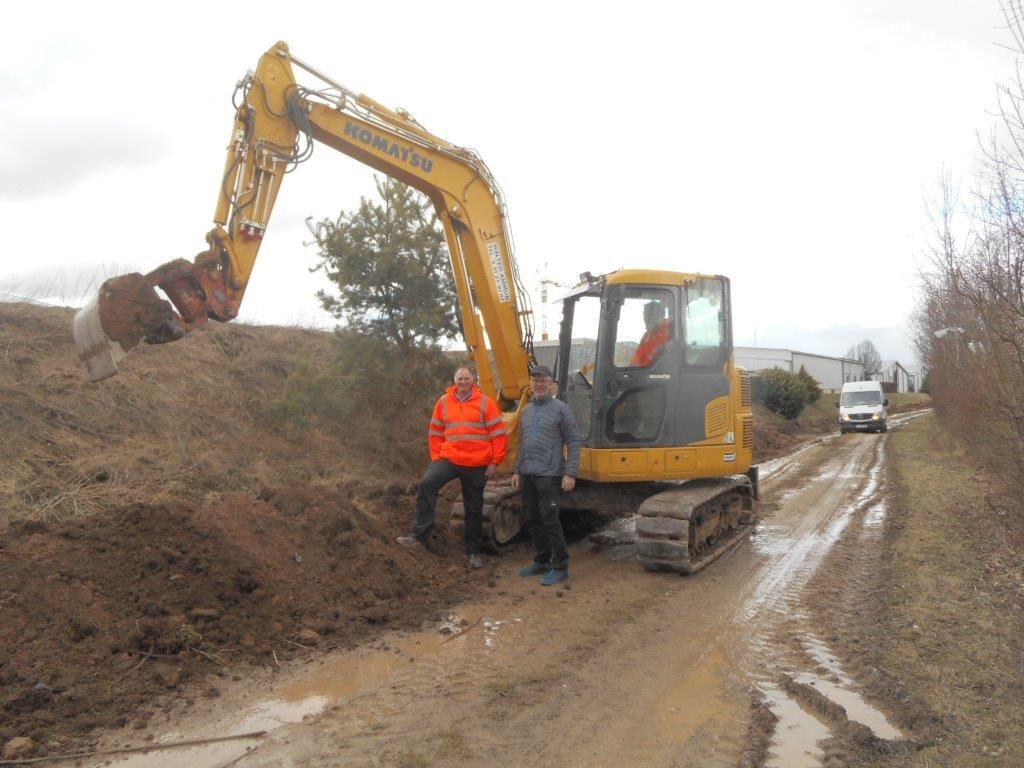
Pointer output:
x,y
864,397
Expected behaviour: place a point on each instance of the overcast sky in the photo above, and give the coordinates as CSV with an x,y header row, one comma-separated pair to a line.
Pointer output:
x,y
789,145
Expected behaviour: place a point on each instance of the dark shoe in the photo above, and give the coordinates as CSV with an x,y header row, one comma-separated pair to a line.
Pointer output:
x,y
475,561
534,569
554,577
410,541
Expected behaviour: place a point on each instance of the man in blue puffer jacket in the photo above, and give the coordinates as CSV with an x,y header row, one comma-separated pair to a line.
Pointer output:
x,y
546,425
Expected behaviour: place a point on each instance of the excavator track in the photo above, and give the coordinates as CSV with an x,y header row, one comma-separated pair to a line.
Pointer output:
x,y
684,529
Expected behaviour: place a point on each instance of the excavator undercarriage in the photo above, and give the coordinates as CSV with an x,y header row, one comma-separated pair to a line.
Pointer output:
x,y
686,528
680,527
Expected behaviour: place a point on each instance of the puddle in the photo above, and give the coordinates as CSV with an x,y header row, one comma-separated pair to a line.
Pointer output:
x,y
694,700
797,733
876,515
342,678
769,468
818,651
492,639
857,709
842,692
349,676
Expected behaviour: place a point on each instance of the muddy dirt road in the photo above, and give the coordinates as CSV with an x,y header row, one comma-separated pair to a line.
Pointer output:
x,y
625,667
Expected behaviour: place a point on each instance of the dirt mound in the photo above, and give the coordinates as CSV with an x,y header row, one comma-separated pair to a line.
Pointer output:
x,y
775,438
103,615
178,423
161,524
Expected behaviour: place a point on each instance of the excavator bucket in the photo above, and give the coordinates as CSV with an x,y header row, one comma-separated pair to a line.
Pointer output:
x,y
125,311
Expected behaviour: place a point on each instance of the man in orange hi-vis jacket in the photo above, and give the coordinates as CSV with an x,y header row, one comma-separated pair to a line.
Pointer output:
x,y
655,338
467,441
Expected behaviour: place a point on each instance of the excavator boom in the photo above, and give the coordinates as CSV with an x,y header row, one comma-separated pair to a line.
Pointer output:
x,y
277,123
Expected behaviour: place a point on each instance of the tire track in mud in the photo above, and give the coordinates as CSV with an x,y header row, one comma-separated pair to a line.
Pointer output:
x,y
626,667
823,717
791,549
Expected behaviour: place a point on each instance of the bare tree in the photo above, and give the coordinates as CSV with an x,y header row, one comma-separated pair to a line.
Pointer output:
x,y
866,352
969,323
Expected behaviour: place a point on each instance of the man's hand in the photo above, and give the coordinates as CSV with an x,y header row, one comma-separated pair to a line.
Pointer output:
x,y
568,483
490,470
515,482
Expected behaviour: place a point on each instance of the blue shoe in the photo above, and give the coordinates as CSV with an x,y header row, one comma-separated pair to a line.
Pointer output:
x,y
534,569
554,577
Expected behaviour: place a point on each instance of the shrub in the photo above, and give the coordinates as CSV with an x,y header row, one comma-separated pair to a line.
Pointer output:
x,y
784,393
810,384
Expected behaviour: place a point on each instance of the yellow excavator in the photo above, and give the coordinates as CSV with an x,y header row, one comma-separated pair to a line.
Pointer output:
x,y
644,357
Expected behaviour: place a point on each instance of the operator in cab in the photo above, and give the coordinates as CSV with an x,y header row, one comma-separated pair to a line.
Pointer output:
x,y
467,440
655,338
542,473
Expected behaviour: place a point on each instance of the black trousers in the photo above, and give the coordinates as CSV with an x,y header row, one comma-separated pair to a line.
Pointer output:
x,y
540,502
473,480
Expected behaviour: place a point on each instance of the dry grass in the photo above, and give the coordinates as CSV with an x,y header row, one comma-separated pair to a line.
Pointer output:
x,y
180,422
956,628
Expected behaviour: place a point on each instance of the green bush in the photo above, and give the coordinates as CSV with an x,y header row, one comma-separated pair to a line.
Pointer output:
x,y
811,385
785,393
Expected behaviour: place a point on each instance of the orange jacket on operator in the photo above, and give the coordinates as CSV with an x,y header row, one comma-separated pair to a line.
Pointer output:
x,y
652,342
470,434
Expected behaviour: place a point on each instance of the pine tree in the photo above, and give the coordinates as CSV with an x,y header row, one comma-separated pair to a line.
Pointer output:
x,y
390,264
396,301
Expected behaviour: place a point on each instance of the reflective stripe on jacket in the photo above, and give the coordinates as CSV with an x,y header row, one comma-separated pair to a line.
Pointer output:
x,y
470,433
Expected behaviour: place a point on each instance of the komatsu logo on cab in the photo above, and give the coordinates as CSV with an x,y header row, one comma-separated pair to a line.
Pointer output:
x,y
405,154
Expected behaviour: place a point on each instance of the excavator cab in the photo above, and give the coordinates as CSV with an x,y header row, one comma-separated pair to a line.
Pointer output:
x,y
645,363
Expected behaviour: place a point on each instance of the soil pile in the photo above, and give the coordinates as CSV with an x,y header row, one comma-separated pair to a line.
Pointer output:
x,y
775,437
160,525
104,614
179,423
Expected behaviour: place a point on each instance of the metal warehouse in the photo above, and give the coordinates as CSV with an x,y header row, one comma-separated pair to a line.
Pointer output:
x,y
831,372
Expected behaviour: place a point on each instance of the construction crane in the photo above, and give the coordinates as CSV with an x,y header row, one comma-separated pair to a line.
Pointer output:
x,y
544,283
658,397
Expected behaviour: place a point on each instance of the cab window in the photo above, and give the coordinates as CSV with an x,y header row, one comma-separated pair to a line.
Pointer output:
x,y
645,329
636,417
706,333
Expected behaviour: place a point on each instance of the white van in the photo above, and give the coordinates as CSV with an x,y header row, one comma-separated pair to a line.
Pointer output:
x,y
862,407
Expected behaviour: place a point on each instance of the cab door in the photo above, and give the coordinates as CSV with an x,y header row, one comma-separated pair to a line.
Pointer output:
x,y
639,355
701,404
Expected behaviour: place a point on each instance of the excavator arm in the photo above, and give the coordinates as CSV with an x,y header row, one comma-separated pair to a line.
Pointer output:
x,y
277,123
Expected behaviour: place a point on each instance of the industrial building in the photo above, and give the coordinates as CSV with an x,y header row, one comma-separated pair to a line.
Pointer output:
x,y
831,372
894,374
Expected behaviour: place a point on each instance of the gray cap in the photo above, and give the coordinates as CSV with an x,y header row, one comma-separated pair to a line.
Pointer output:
x,y
540,370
